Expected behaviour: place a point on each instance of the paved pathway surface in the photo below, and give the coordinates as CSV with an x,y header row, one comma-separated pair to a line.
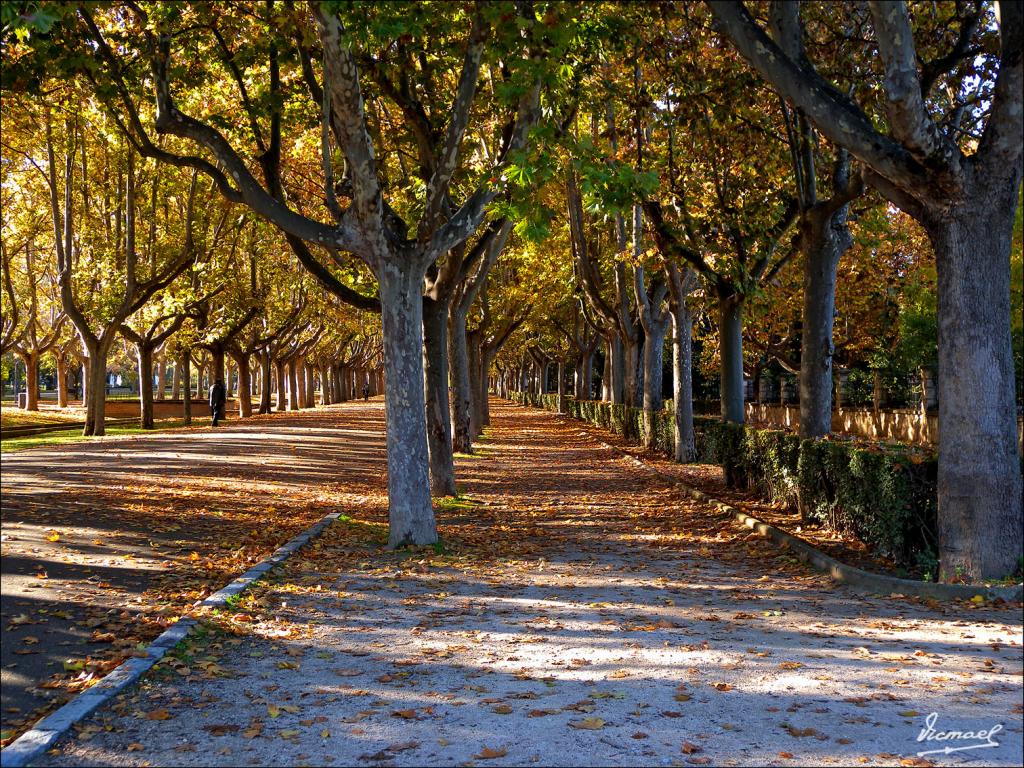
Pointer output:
x,y
105,542
585,614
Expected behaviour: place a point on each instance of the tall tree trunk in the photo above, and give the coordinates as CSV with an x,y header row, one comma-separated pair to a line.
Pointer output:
x,y
654,342
31,360
95,410
310,399
325,385
281,378
682,381
410,514
630,362
825,239
217,365
730,330
462,392
584,375
244,385
176,381
265,382
561,387
200,370
477,384
185,363
606,373
299,365
618,371
979,482
435,392
84,376
161,377
144,356
481,399
294,394
62,380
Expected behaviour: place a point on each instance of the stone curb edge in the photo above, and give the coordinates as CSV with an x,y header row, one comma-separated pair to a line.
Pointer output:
x,y
864,581
45,733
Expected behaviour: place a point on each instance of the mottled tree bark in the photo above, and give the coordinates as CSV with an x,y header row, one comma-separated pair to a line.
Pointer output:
x,y
185,363
462,392
265,382
31,360
97,389
175,381
62,380
682,381
294,394
410,513
310,399
144,357
435,383
825,238
281,379
325,385
244,385
561,387
161,378
979,490
730,331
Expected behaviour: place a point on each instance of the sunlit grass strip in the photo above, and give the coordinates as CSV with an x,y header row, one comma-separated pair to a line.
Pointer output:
x,y
74,435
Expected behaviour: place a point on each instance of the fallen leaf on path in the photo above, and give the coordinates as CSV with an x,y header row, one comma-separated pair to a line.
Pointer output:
x,y
221,729
488,754
402,746
588,724
800,733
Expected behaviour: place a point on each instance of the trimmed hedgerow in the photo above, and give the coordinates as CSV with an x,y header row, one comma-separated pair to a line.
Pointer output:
x,y
886,498
883,496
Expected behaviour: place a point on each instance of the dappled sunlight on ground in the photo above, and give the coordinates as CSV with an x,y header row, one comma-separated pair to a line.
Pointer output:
x,y
579,612
106,542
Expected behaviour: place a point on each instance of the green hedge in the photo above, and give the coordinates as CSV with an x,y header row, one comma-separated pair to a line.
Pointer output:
x,y
884,497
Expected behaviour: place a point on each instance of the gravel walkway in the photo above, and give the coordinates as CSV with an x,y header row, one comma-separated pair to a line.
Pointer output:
x,y
585,614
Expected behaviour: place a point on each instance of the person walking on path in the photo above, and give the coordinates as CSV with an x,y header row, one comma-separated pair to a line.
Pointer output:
x,y
218,396
366,390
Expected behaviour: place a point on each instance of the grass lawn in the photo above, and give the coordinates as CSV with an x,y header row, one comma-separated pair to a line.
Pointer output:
x,y
11,416
75,435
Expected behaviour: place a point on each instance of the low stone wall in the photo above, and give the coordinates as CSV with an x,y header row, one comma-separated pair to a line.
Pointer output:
x,y
164,409
900,425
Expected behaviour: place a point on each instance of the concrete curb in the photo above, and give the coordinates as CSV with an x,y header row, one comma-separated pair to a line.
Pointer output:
x,y
863,581
45,733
